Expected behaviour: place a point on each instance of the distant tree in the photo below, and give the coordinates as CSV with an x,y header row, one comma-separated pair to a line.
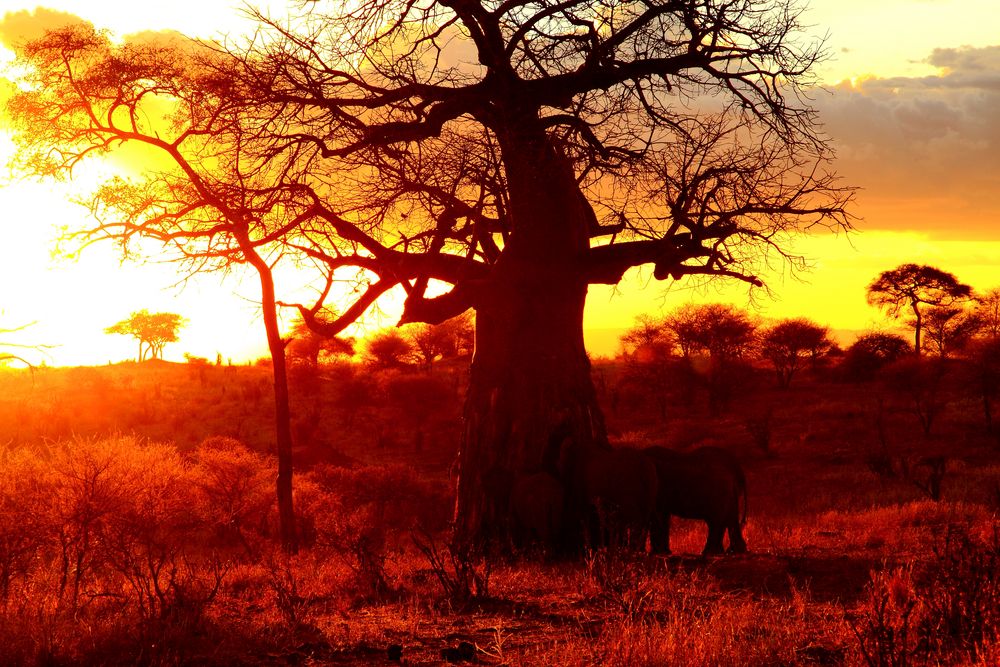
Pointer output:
x,y
871,351
450,339
913,286
307,346
388,348
152,330
789,343
949,329
720,330
726,334
984,376
650,369
988,312
649,339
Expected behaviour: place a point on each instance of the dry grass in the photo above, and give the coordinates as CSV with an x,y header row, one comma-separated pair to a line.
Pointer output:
x,y
158,548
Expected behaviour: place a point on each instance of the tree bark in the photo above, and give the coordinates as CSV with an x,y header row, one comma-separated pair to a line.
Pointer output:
x,y
282,410
530,389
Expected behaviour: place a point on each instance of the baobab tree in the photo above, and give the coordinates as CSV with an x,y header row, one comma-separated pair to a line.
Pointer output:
x,y
503,157
916,286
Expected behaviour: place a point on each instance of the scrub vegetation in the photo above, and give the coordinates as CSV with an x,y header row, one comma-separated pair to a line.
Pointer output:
x,y
138,520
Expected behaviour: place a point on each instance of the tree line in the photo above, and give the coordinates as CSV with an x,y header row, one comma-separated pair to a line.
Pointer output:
x,y
713,345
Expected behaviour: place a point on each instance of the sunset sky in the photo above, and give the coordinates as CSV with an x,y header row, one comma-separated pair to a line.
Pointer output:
x,y
911,99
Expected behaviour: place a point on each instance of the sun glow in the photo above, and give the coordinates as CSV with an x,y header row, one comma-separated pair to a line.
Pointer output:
x,y
73,299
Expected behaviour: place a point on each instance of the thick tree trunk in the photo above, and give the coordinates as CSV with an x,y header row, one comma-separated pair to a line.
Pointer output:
x,y
530,389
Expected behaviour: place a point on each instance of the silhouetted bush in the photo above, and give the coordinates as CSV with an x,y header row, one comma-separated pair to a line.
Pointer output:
x,y
871,352
921,381
388,348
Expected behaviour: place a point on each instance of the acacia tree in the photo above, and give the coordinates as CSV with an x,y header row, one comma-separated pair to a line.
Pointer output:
x,y
152,330
388,349
789,343
914,286
949,329
720,330
988,313
447,340
648,339
307,346
515,152
201,198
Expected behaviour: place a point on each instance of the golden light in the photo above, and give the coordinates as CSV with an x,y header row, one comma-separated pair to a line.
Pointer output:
x,y
72,301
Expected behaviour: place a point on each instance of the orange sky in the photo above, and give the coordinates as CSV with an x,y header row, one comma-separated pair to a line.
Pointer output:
x,y
911,100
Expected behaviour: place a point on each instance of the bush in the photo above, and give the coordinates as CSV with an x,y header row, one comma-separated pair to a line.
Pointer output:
x,y
366,515
234,490
872,351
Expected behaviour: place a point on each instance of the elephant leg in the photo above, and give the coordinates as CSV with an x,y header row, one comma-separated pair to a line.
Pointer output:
x,y
737,544
659,534
637,536
714,543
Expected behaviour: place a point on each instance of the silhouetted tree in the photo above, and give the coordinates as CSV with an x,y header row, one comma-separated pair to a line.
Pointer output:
x,y
913,286
647,340
388,348
152,330
789,343
201,196
988,313
720,330
448,340
949,329
723,332
306,345
479,145
872,351
650,370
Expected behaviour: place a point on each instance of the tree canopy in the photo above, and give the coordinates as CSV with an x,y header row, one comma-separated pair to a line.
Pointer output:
x,y
789,343
914,286
152,330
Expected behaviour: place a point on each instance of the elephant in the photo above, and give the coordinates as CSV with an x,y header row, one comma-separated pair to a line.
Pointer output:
x,y
536,509
620,490
527,507
705,484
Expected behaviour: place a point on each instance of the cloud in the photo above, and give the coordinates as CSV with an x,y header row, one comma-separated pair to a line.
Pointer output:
x,y
19,27
926,150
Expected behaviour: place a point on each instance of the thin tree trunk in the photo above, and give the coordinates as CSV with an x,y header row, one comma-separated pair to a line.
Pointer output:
x,y
282,410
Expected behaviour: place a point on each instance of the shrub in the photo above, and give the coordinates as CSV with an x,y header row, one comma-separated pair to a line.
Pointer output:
x,y
234,489
962,592
365,515
870,352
